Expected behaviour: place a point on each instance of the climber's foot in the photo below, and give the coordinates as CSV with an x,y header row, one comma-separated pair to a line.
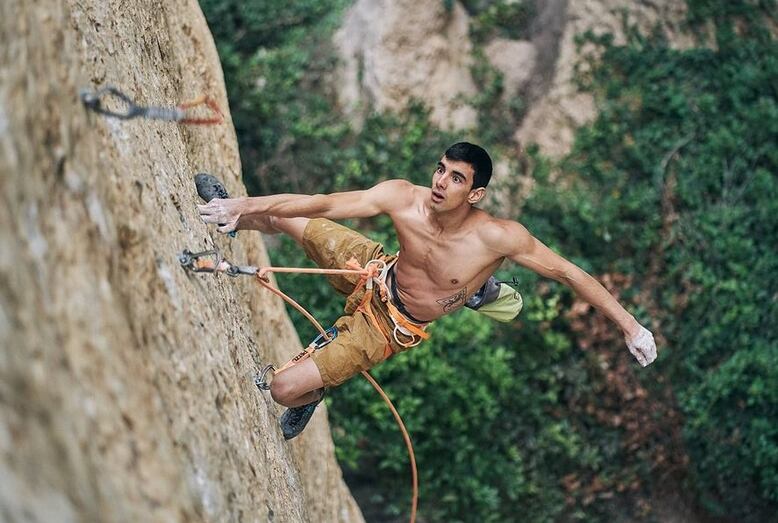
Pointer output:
x,y
294,420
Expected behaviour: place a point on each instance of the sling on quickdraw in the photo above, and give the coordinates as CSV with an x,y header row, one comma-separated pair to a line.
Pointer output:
x,y
211,261
94,101
321,341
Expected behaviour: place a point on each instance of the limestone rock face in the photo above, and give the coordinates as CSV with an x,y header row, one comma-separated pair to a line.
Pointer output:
x,y
515,59
557,107
126,389
394,51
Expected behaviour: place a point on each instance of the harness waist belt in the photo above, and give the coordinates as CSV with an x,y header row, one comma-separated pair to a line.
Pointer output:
x,y
396,298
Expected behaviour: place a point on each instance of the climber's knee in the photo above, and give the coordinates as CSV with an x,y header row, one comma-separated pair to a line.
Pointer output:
x,y
294,227
294,382
283,390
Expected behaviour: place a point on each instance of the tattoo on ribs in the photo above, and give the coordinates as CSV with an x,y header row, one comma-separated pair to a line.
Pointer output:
x,y
453,300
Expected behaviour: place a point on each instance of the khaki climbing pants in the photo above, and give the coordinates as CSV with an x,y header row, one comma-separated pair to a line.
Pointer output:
x,y
359,345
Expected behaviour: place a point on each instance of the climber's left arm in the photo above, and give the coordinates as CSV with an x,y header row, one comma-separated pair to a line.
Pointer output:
x,y
523,248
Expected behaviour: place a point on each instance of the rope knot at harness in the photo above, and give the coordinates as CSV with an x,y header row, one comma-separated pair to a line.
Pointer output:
x,y
372,273
405,333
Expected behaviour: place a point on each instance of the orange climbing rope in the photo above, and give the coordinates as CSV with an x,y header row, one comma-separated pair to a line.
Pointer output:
x,y
368,276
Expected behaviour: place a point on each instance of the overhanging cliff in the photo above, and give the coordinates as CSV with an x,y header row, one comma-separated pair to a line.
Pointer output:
x,y
126,389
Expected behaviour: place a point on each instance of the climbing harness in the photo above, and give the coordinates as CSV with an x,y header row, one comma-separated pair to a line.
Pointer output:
x,y
373,274
411,333
94,100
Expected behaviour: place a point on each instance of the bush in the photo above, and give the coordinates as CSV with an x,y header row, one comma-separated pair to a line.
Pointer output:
x,y
670,197
674,184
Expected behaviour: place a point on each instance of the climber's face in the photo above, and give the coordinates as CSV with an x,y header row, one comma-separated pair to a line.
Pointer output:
x,y
451,185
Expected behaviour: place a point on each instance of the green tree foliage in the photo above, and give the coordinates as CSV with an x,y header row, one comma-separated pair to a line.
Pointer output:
x,y
498,18
669,196
675,184
275,56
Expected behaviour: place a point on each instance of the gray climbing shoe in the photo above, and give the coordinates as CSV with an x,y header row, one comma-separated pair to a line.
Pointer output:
x,y
209,187
294,420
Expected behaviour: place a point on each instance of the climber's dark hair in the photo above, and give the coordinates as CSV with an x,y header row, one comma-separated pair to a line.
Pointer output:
x,y
477,157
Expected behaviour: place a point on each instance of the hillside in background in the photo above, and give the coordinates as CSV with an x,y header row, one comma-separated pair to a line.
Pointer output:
x,y
637,139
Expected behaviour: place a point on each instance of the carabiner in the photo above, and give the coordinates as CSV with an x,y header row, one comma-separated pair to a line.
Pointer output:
x,y
261,380
320,341
191,260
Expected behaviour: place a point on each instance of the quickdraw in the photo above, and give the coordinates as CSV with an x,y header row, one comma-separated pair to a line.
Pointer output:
x,y
211,261
94,100
321,341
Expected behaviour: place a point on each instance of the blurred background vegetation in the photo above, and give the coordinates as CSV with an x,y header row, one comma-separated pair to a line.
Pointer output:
x,y
669,198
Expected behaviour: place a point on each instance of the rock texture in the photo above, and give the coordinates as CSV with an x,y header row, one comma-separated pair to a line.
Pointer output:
x,y
395,51
557,107
126,388
516,60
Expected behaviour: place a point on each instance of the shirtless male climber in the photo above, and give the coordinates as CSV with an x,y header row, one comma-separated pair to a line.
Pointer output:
x,y
448,251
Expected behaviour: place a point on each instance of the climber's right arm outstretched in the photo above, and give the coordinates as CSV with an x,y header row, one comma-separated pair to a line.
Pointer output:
x,y
384,197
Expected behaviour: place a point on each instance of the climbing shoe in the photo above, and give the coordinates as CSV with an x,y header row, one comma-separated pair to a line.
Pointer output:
x,y
294,420
209,187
